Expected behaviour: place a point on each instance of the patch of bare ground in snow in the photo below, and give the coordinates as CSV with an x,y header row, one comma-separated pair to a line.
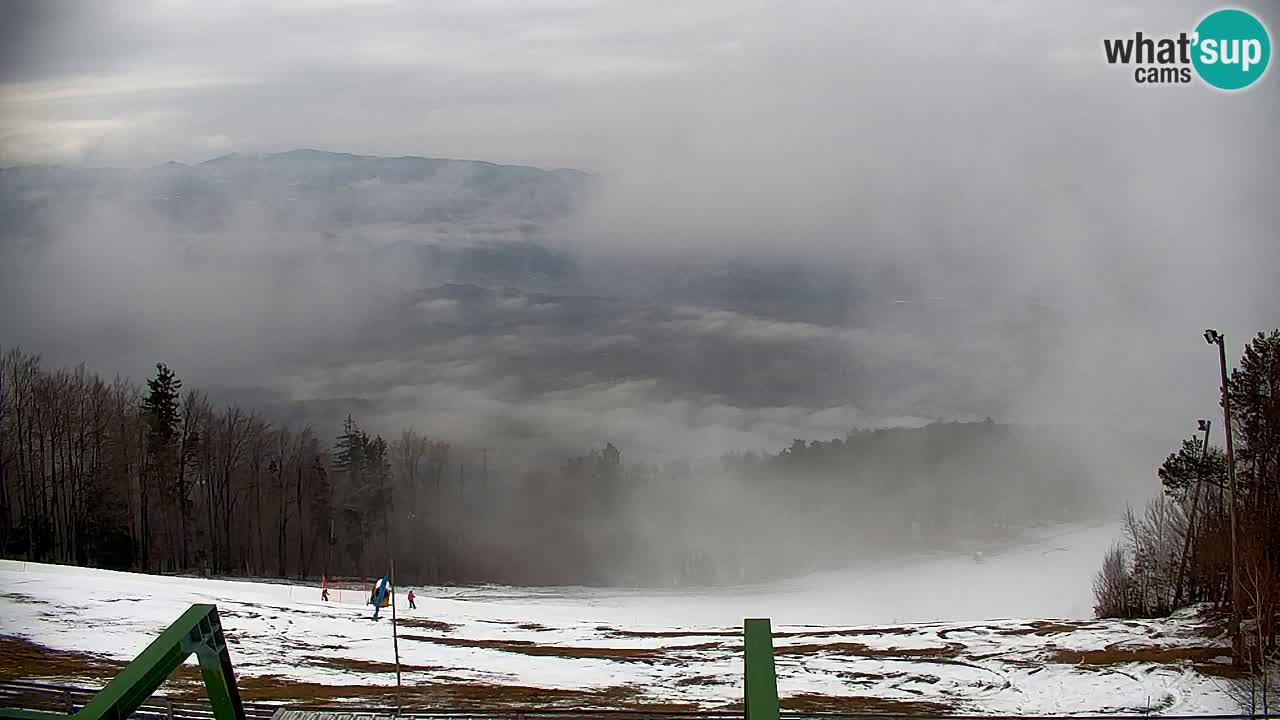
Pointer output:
x,y
369,666
846,632
697,681
857,704
737,634
656,634
527,647
527,626
950,650
1221,668
454,695
21,659
1042,628
1117,655
435,625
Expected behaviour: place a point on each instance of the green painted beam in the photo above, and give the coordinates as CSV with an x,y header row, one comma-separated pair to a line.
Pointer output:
x,y
219,678
760,684
198,631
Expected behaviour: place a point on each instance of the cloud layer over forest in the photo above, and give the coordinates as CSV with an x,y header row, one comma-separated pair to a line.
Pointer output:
x,y
797,218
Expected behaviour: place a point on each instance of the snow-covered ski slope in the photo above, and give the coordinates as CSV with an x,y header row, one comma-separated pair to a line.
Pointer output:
x,y
1010,634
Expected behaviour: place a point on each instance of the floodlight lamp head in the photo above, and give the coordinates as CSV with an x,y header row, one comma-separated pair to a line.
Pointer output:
x,y
1212,337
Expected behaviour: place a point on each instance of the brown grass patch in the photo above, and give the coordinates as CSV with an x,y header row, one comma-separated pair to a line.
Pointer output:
x,y
697,680
1042,628
1219,670
20,658
369,666
435,625
1112,655
655,634
454,694
526,647
949,650
23,659
851,704
848,632
738,633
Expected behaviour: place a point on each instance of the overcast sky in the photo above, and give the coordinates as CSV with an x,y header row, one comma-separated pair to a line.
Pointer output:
x,y
585,83
989,137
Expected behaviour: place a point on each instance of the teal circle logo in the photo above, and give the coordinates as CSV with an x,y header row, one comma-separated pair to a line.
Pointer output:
x,y
1232,49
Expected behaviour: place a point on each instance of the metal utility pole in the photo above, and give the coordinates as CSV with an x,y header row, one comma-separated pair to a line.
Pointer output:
x,y
1213,337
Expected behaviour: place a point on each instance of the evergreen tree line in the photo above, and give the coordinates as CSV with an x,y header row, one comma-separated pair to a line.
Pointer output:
x,y
1177,551
156,478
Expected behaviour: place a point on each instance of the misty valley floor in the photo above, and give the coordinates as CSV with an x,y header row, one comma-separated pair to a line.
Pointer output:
x,y
576,647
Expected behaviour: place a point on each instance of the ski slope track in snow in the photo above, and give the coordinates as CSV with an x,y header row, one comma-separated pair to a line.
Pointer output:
x,y
867,639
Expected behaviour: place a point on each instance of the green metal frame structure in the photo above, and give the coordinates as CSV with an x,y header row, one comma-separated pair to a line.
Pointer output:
x,y
198,631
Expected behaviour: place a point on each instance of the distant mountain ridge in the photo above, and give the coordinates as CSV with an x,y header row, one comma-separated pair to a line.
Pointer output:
x,y
294,156
313,155
305,189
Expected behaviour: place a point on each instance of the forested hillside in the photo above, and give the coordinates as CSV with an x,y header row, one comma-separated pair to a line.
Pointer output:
x,y
1213,536
155,477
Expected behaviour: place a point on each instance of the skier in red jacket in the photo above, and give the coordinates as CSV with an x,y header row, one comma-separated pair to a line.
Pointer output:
x,y
411,605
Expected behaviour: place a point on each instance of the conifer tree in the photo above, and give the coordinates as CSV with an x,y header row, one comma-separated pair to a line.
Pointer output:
x,y
160,413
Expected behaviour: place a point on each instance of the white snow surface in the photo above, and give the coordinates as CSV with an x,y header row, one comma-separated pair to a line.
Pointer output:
x,y
976,637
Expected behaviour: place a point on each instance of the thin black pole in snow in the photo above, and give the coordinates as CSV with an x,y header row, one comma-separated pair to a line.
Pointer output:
x,y
395,638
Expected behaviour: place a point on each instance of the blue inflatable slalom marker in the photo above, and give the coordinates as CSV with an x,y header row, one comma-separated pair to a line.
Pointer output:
x,y
380,596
